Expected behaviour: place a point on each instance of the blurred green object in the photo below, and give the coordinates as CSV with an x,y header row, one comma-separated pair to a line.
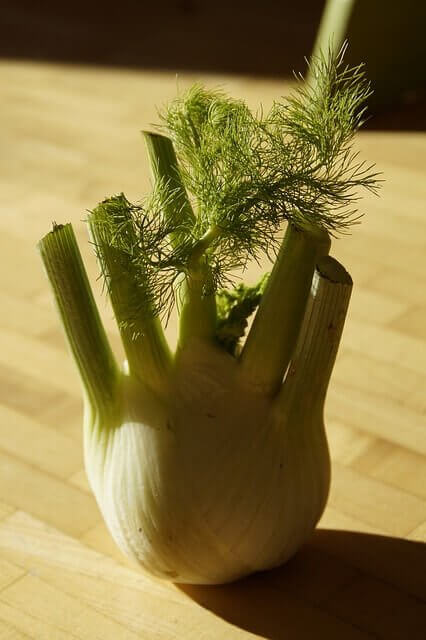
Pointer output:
x,y
389,36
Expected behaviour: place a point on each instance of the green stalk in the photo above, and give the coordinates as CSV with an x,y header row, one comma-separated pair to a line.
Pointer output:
x,y
164,167
80,317
198,313
307,380
332,30
197,317
197,307
148,354
271,341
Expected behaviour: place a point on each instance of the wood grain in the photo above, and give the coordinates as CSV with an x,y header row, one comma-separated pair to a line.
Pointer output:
x,y
70,137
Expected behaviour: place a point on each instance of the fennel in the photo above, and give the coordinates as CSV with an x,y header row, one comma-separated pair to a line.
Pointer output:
x,y
210,461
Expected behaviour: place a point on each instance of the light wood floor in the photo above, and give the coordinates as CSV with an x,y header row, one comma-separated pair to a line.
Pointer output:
x,y
70,137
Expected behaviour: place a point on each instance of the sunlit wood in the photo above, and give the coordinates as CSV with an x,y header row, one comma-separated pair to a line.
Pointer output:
x,y
70,136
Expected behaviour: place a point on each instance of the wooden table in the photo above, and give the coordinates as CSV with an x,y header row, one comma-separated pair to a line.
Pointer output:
x,y
70,137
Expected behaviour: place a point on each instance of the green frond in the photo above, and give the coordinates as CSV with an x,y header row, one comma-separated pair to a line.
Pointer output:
x,y
312,131
218,142
136,239
247,174
234,307
244,175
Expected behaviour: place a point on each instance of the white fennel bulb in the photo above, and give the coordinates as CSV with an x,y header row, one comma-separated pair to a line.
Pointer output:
x,y
213,484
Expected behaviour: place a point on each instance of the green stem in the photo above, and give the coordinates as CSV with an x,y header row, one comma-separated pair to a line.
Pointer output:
x,y
305,387
197,307
332,30
146,348
273,335
164,167
80,317
201,246
197,317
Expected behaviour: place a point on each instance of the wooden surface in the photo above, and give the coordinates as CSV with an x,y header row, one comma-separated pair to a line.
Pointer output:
x,y
70,137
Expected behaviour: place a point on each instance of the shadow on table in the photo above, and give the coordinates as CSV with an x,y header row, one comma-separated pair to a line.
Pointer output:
x,y
342,585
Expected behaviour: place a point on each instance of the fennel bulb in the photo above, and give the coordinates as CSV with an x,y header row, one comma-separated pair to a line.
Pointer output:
x,y
211,462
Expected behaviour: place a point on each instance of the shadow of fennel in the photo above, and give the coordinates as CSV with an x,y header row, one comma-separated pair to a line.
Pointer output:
x,y
342,585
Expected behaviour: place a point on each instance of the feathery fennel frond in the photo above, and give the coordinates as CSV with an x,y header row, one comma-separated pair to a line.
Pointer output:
x,y
234,307
248,173
132,243
244,174
219,146
313,130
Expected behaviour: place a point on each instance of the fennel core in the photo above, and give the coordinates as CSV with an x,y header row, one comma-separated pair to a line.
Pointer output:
x,y
224,182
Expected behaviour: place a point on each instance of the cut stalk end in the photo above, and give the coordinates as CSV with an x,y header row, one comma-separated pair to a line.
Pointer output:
x,y
147,351
79,315
305,387
273,335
